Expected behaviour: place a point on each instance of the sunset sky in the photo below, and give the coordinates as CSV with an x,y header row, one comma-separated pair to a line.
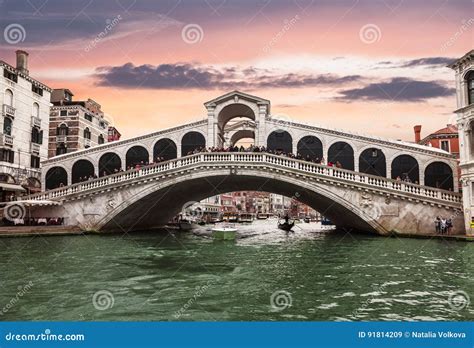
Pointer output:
x,y
374,67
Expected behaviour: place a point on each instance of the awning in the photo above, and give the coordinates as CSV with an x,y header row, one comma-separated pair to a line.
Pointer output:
x,y
11,187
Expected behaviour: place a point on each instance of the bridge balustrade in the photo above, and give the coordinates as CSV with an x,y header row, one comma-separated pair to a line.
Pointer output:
x,y
252,157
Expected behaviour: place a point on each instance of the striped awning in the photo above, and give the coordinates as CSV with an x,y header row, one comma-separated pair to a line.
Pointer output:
x,y
11,187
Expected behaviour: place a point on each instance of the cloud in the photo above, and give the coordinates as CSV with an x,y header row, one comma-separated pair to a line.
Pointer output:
x,y
430,61
398,89
188,76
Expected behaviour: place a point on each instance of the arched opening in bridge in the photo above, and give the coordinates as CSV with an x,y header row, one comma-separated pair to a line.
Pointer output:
x,y
109,163
280,140
191,142
164,149
233,117
406,168
82,170
341,154
372,161
439,175
243,137
136,156
56,177
163,200
310,147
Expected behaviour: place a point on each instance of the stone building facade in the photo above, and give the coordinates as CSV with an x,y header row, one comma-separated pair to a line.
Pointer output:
x,y
464,70
24,125
75,125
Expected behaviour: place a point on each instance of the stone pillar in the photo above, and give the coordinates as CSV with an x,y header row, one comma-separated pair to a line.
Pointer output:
x,y
260,125
211,126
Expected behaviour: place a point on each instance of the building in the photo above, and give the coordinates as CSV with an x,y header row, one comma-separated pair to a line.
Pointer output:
x,y
25,122
446,139
464,70
75,125
114,134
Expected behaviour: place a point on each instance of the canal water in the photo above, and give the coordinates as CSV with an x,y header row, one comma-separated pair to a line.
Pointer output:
x,y
268,275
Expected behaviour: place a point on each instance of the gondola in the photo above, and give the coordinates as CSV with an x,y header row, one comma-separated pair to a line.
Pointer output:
x,y
286,226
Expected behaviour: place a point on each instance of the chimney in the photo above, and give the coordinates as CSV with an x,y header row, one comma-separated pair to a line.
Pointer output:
x,y
22,61
417,129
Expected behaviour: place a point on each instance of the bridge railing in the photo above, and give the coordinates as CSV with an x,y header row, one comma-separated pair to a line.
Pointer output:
x,y
255,158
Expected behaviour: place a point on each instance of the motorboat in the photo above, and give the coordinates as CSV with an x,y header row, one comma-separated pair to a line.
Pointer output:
x,y
224,232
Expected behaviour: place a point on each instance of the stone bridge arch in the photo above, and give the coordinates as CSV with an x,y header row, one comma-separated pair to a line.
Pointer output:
x,y
155,204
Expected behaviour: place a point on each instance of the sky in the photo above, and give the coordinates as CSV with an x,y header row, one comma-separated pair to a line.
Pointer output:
x,y
375,67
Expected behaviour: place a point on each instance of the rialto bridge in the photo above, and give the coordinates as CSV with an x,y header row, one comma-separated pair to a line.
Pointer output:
x,y
364,193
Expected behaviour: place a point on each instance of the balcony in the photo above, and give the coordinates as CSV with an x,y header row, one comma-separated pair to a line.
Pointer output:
x,y
6,140
61,138
35,148
87,142
36,121
8,110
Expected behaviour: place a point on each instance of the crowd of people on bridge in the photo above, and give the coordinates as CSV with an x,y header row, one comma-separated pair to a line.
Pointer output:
x,y
260,149
252,148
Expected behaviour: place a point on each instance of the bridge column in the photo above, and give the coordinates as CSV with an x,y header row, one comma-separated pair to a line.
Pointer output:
x,y
211,126
422,174
356,160
260,125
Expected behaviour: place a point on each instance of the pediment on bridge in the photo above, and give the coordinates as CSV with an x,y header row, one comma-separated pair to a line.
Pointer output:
x,y
236,96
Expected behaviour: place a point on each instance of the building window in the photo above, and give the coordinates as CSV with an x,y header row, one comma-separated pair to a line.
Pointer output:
x,y
37,90
470,87
88,117
36,136
35,162
87,133
445,145
36,110
7,155
62,130
61,149
9,97
63,112
9,75
7,126
101,139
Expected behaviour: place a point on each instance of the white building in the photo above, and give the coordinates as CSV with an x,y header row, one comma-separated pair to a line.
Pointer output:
x,y
464,68
24,127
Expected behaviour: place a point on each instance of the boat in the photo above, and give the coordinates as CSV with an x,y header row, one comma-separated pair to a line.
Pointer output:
x,y
224,232
262,216
246,218
230,217
307,220
185,225
286,226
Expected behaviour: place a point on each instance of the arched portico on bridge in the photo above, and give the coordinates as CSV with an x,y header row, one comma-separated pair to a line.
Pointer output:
x,y
109,163
280,140
343,153
406,167
165,149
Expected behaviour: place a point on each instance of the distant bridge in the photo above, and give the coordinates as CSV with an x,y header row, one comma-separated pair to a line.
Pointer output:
x,y
148,197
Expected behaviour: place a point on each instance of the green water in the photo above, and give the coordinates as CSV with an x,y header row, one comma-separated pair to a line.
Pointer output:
x,y
183,276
